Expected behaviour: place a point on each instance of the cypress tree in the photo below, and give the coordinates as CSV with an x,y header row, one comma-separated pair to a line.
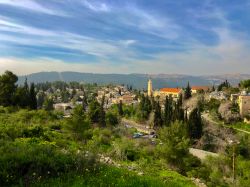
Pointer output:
x,y
120,110
84,101
33,100
26,97
102,113
166,112
157,116
188,92
195,124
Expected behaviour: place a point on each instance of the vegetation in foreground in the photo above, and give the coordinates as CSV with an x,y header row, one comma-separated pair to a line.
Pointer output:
x,y
39,148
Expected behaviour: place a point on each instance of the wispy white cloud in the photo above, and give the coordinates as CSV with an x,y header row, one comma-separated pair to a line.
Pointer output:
x,y
127,43
34,6
80,43
96,6
149,22
10,25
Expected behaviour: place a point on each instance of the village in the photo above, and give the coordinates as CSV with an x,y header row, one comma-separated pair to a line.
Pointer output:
x,y
113,95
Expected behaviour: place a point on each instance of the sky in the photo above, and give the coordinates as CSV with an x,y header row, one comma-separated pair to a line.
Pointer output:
x,y
195,37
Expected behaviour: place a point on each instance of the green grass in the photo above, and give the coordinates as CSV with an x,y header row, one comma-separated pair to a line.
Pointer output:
x,y
37,149
241,126
110,176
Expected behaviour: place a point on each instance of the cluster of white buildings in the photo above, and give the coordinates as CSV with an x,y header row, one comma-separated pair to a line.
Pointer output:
x,y
116,95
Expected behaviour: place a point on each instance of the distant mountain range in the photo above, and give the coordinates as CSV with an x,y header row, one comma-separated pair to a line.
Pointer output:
x,y
136,80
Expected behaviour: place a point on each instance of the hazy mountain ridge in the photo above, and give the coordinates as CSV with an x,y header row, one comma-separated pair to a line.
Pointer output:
x,y
136,80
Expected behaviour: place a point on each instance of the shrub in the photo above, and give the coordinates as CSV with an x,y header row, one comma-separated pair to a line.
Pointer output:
x,y
111,119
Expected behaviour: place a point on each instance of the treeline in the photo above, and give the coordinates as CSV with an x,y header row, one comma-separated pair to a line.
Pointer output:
x,y
13,95
164,116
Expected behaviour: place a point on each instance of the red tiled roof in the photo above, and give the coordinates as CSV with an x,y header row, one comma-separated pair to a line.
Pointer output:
x,y
173,90
200,88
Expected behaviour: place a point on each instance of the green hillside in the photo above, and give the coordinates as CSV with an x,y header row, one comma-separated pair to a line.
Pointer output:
x,y
38,148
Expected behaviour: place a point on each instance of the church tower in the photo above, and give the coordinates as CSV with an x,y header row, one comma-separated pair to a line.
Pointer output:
x,y
150,88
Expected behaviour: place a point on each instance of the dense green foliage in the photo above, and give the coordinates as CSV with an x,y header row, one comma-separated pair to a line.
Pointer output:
x,y
245,83
12,95
7,88
224,85
195,124
39,148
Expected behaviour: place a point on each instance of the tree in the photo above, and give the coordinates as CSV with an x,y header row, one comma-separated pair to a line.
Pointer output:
x,y
179,110
94,111
213,88
145,107
40,99
7,88
120,110
175,145
195,124
65,95
245,83
84,101
111,119
48,104
168,110
102,113
20,97
78,123
157,116
224,85
32,93
188,92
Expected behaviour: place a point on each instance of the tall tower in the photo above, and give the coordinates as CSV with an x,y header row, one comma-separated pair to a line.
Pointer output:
x,y
150,87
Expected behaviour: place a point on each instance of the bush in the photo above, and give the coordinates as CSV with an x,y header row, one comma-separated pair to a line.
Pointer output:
x,y
111,119
30,161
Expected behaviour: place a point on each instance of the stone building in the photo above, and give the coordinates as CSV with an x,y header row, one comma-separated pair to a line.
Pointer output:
x,y
244,105
163,92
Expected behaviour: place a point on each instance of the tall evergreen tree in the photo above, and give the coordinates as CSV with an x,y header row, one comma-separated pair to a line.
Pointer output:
x,y
26,100
213,88
102,113
48,104
120,110
84,100
94,111
33,100
7,88
195,124
40,99
157,116
167,112
188,92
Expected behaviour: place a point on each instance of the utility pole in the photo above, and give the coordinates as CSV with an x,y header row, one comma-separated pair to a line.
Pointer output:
x,y
234,164
234,144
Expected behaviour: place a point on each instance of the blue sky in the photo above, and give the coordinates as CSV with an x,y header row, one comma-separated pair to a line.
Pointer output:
x,y
133,36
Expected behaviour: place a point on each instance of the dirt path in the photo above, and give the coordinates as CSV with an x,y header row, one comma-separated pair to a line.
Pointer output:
x,y
206,117
201,154
140,127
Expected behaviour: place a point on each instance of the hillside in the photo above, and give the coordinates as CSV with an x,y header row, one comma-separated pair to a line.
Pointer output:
x,y
136,80
40,149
